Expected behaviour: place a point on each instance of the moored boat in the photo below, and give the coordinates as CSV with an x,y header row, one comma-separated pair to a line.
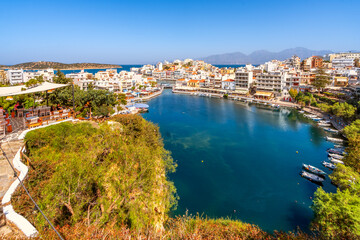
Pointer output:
x,y
337,140
335,150
313,169
324,124
333,160
329,165
312,177
336,156
331,130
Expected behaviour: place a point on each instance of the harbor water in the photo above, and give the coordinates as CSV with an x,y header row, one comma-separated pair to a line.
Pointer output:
x,y
240,160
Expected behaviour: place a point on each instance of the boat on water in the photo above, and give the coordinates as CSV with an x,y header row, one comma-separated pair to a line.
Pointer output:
x,y
336,156
339,152
339,146
313,169
312,177
337,140
310,115
324,124
324,121
331,130
333,160
316,119
329,165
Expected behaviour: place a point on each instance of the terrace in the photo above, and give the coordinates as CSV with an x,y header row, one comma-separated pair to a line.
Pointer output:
x,y
17,118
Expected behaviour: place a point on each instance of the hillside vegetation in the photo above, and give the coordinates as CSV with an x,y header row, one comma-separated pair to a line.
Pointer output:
x,y
108,174
57,65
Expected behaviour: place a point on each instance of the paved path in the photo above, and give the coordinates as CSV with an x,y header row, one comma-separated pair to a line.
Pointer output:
x,y
6,172
6,179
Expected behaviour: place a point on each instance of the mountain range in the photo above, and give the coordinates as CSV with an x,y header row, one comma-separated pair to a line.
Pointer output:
x,y
262,56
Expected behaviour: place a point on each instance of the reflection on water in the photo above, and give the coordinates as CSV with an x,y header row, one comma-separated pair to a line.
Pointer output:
x,y
238,160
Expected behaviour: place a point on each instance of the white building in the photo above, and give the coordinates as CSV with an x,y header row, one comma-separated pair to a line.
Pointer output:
x,y
243,79
47,74
15,76
273,82
343,62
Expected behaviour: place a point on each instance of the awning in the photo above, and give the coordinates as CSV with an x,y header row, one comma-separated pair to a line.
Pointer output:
x,y
17,90
265,94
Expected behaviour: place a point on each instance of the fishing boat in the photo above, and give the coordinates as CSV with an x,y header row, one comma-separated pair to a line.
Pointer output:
x,y
339,146
313,169
331,130
324,121
336,156
337,140
312,177
329,165
333,160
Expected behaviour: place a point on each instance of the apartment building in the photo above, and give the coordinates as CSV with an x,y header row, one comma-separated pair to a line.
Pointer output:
x,y
273,82
243,79
15,76
343,62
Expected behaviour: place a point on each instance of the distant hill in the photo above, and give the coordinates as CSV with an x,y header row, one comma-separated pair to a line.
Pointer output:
x,y
261,56
62,66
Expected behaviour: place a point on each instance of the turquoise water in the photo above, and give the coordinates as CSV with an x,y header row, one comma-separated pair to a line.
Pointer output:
x,y
93,71
240,161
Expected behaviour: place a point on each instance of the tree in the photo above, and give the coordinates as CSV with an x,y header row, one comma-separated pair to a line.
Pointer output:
x,y
61,79
337,215
322,79
352,132
343,110
293,93
356,62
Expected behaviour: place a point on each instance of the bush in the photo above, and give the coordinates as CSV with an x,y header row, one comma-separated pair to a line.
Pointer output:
x,y
110,174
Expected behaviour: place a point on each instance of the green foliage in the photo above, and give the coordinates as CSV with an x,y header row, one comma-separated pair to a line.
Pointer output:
x,y
34,81
352,132
293,93
95,99
111,174
337,215
346,177
60,78
324,107
343,110
322,79
121,98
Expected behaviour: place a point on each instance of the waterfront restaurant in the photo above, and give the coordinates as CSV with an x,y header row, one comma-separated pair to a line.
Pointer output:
x,y
263,95
20,118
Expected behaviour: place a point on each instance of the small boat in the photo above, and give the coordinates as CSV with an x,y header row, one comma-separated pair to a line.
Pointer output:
x,y
324,124
316,119
325,121
329,165
312,177
339,151
337,140
331,130
333,160
313,169
336,156
339,146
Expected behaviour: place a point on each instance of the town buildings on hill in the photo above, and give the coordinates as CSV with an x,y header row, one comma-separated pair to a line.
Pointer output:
x,y
271,79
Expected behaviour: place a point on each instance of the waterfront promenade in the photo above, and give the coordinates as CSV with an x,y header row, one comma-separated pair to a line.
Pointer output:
x,y
247,99
146,98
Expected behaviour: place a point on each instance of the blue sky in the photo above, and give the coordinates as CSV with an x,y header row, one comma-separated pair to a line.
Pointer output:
x,y
139,31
